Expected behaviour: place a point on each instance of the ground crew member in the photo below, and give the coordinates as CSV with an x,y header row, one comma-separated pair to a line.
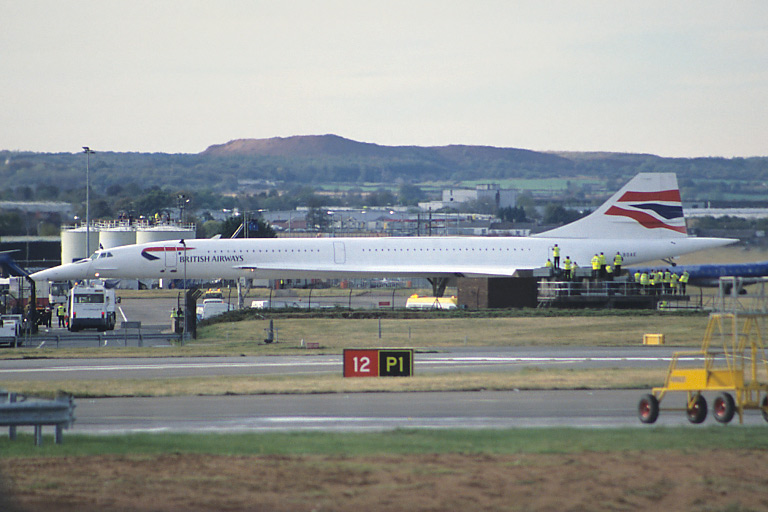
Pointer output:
x,y
668,280
673,283
602,265
556,256
567,266
548,264
636,276
608,273
652,282
663,305
617,261
61,313
177,320
659,280
644,281
683,281
595,266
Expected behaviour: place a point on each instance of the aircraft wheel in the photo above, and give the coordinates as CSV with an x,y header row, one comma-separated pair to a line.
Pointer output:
x,y
723,408
698,412
765,406
648,409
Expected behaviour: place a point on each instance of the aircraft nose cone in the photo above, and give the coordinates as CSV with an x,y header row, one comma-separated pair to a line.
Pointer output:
x,y
68,272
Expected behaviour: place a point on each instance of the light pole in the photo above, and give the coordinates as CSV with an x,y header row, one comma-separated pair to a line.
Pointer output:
x,y
183,201
88,151
186,316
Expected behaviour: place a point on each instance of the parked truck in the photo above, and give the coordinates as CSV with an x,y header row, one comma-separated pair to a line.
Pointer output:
x,y
92,306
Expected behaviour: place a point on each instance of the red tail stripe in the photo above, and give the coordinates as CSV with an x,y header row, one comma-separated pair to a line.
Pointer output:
x,y
660,195
644,219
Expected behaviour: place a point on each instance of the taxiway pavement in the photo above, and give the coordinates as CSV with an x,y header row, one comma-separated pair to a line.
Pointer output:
x,y
363,411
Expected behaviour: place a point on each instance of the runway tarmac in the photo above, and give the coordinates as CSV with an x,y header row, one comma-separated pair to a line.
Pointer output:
x,y
378,412
363,411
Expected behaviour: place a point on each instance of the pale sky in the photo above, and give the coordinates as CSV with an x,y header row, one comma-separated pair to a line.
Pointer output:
x,y
679,78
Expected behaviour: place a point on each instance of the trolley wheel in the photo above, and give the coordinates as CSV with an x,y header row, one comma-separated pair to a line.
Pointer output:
x,y
765,405
723,408
698,412
648,409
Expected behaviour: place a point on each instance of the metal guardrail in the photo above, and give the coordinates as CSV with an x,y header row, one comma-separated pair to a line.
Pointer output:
x,y
99,339
36,413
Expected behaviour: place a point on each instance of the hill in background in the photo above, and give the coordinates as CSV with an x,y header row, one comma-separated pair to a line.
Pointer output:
x,y
325,160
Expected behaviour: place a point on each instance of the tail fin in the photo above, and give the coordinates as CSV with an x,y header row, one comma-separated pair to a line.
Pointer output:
x,y
648,206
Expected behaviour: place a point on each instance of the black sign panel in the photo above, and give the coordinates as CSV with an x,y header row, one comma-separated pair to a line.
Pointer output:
x,y
395,363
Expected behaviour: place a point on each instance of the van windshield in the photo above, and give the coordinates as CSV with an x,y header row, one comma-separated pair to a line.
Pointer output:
x,y
89,298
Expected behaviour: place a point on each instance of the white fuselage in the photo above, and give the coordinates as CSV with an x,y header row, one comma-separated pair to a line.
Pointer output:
x,y
306,258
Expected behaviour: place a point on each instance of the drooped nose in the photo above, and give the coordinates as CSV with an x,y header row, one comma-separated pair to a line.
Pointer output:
x,y
66,272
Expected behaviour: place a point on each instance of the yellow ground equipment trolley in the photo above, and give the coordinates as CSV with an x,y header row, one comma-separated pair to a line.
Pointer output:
x,y
731,362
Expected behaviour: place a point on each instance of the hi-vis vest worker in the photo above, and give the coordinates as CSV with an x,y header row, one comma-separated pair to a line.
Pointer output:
x,y
617,262
61,313
556,255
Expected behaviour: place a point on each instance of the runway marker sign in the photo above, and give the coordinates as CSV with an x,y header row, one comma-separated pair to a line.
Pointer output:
x,y
377,362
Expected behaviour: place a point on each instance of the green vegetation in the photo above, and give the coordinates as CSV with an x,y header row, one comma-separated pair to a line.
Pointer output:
x,y
400,442
340,172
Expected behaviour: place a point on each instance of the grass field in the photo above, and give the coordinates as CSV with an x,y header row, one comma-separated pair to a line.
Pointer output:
x,y
713,469
398,442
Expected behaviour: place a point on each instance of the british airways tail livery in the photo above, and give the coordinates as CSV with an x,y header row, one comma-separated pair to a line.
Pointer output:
x,y
649,206
643,221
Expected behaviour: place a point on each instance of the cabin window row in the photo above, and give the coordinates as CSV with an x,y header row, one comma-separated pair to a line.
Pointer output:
x,y
492,249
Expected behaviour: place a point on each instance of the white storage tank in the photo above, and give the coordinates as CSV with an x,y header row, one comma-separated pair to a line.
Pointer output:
x,y
161,233
73,243
115,237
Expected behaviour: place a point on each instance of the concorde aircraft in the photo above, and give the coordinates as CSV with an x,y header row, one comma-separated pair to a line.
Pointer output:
x,y
643,221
